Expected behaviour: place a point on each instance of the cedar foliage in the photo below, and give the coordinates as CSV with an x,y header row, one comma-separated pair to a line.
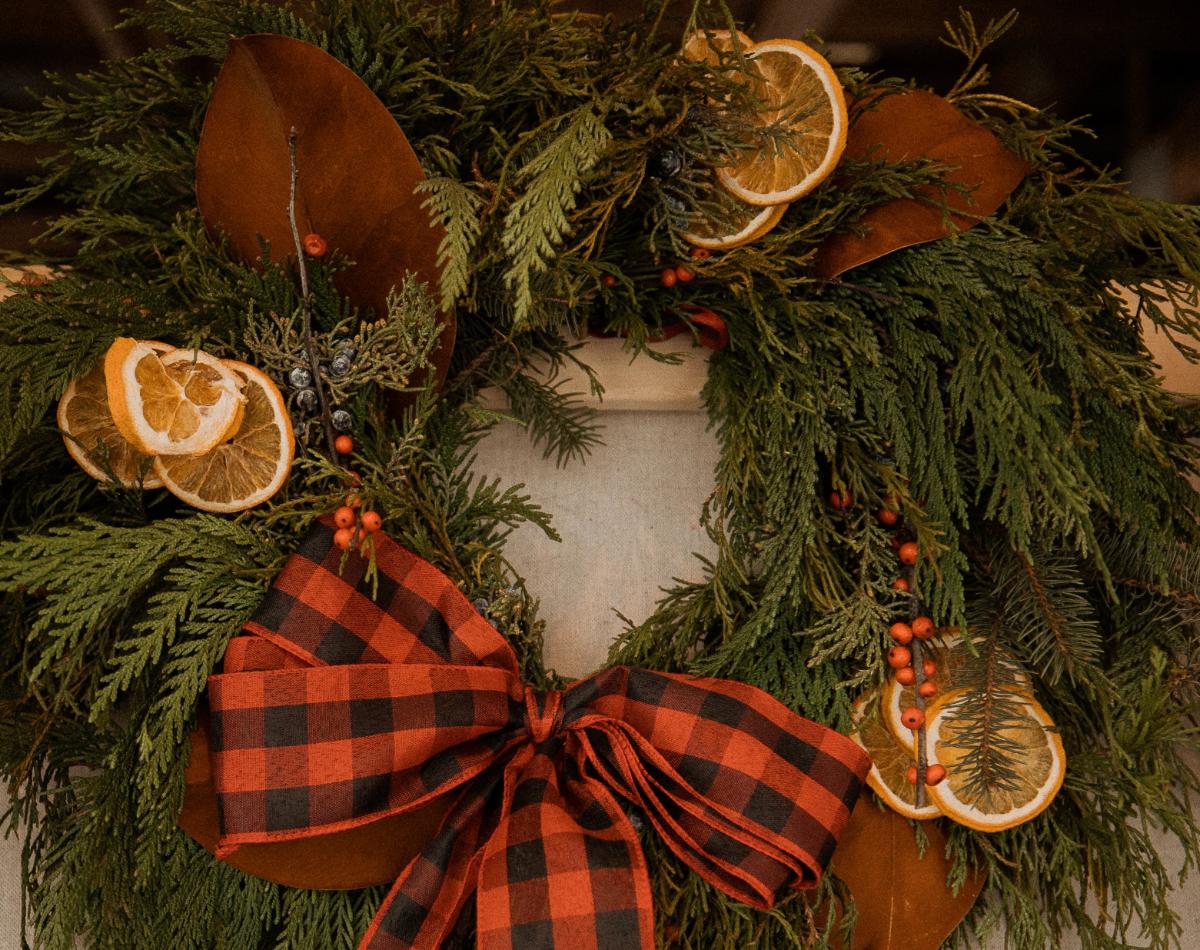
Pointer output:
x,y
994,381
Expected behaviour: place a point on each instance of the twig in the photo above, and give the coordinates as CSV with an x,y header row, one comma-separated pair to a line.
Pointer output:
x,y
100,21
846,285
478,362
314,364
916,609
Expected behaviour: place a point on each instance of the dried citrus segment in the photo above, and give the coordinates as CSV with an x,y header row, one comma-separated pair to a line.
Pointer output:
x,y
997,805
247,469
890,761
182,402
92,437
706,46
949,651
734,224
802,124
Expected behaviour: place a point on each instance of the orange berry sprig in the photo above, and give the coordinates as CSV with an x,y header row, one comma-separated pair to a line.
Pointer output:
x,y
912,667
352,528
681,273
315,245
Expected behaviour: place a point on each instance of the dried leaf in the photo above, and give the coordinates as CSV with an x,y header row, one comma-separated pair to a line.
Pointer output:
x,y
915,125
902,898
357,173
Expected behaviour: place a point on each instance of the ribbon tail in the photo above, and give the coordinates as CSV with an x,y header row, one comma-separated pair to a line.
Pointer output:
x,y
423,906
564,868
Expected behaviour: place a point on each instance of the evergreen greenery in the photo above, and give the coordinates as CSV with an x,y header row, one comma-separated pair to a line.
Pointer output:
x,y
995,382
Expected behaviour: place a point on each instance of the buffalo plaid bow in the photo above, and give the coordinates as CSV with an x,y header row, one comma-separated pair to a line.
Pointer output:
x,y
340,708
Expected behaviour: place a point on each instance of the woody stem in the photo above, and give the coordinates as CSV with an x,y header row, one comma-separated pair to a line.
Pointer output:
x,y
310,348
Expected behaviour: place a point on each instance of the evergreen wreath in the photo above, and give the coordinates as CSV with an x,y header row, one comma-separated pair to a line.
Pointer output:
x,y
993,384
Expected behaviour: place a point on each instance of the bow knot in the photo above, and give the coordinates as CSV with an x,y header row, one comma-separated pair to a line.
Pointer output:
x,y
349,701
544,711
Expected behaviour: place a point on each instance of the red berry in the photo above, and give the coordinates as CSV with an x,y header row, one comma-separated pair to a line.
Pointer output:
x,y
343,538
314,245
887,517
344,517
912,718
901,633
928,667
609,280
934,774
840,500
900,584
353,501
684,274
344,444
906,676
908,552
922,628
899,657
911,775
927,690
371,521
701,254
668,277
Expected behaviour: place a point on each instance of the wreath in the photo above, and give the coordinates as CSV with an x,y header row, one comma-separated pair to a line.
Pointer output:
x,y
952,514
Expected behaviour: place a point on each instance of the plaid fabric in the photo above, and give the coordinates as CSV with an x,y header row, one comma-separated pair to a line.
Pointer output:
x,y
337,709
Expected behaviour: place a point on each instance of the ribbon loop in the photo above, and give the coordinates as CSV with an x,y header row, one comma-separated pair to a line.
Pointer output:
x,y
338,710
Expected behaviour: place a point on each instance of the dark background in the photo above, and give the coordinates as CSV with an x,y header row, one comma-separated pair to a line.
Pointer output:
x,y
1129,67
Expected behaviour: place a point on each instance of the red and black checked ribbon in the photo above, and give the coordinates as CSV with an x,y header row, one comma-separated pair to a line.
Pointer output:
x,y
337,710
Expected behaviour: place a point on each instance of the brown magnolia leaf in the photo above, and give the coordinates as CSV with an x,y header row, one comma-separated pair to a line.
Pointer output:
x,y
916,125
902,898
357,171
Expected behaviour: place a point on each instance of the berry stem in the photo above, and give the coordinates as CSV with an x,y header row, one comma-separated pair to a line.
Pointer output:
x,y
314,364
917,609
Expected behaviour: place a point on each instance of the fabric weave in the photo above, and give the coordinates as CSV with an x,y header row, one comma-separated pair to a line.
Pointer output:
x,y
336,709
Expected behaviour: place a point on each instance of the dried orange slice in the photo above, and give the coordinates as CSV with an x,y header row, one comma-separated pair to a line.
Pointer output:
x,y
802,124
995,806
890,761
950,653
182,402
706,46
736,223
92,438
247,469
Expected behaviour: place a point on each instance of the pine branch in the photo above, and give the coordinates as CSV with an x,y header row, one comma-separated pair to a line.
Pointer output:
x,y
538,221
1049,620
558,421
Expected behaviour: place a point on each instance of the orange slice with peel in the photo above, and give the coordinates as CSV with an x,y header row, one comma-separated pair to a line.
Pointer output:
x,y
706,46
801,125
182,402
92,438
949,651
995,806
734,223
890,761
248,468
